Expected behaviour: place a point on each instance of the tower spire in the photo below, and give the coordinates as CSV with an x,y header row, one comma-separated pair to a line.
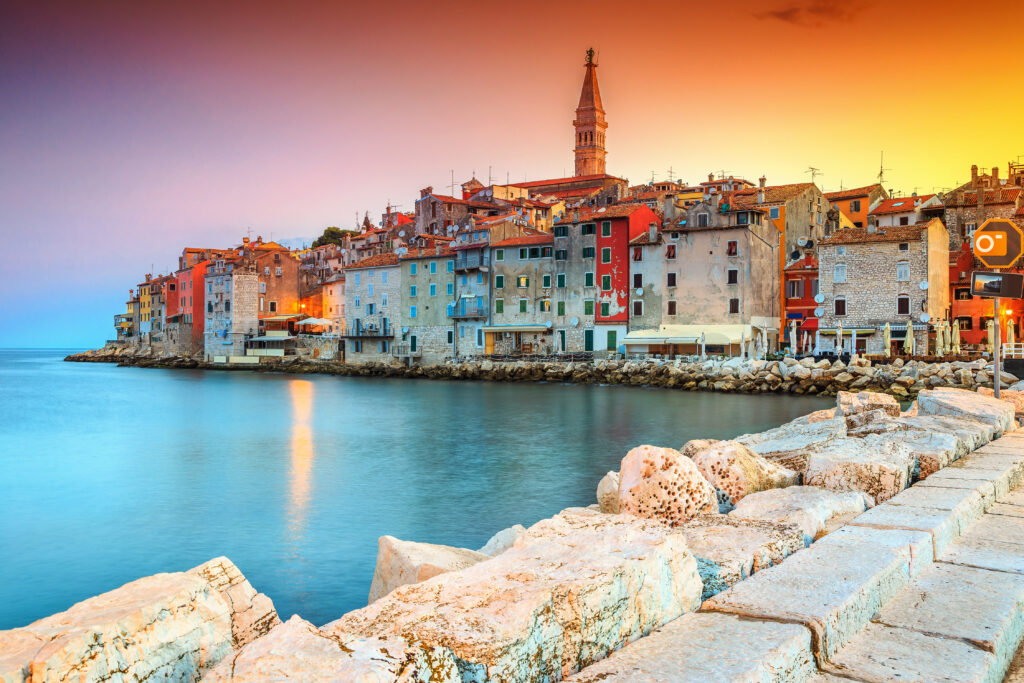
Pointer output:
x,y
590,124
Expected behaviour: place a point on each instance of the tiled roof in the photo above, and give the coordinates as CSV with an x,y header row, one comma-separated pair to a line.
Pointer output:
x,y
900,204
560,181
901,233
773,194
525,240
388,259
804,263
589,213
465,202
645,238
1020,212
1002,195
425,253
567,194
852,193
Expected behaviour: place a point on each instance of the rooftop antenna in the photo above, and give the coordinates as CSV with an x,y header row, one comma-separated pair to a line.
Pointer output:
x,y
248,232
671,175
882,169
652,177
489,176
451,188
815,172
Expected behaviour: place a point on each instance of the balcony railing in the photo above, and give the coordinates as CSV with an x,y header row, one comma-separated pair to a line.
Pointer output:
x,y
404,351
465,309
370,331
468,261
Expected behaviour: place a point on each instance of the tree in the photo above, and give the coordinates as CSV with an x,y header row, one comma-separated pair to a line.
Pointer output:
x,y
332,235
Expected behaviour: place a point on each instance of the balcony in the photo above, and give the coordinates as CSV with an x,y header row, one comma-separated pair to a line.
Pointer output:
x,y
404,351
469,308
467,260
370,331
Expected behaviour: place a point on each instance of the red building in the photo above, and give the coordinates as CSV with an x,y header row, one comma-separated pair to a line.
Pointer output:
x,y
973,313
801,288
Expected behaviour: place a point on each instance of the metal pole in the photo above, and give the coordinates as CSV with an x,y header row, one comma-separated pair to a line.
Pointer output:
x,y
995,349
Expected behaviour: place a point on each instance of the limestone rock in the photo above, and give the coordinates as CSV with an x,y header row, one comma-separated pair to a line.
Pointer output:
x,y
878,467
729,548
1015,398
814,510
695,446
297,650
166,626
790,444
735,470
973,434
933,449
401,562
573,589
816,416
608,493
967,405
663,484
867,422
502,541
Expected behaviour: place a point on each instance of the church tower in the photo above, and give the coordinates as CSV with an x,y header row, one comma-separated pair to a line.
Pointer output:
x,y
590,124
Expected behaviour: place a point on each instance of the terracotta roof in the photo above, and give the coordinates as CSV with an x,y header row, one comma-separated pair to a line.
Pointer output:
x,y
425,253
560,181
388,259
1020,212
590,213
1002,195
726,180
575,192
900,204
802,264
901,233
773,194
465,202
645,238
852,193
525,241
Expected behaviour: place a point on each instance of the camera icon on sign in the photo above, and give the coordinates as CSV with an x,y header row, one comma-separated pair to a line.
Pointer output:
x,y
991,244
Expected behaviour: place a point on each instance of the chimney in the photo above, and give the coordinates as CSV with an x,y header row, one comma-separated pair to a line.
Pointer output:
x,y
437,248
670,206
149,276
576,215
974,176
245,241
995,176
762,181
653,232
711,177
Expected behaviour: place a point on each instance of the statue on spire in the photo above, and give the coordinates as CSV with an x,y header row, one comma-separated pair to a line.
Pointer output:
x,y
590,56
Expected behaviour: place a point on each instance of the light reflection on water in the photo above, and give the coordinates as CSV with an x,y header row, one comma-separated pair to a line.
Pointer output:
x,y
108,474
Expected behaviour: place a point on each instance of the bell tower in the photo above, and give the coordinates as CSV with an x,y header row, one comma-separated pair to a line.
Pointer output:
x,y
590,124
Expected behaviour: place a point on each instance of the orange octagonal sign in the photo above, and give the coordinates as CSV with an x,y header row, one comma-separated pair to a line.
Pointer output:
x,y
998,243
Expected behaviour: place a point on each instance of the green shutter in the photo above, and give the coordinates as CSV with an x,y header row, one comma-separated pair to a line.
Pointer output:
x,y
588,307
499,306
499,281
588,340
561,280
522,305
561,308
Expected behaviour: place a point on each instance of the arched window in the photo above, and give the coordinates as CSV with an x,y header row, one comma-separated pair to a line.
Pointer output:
x,y
902,305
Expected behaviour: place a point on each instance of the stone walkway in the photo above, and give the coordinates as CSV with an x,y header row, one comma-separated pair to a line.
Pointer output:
x,y
928,586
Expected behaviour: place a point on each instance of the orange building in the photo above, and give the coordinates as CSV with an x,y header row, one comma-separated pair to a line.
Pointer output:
x,y
856,203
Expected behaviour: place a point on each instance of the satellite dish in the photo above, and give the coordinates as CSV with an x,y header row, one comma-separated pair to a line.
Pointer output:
x,y
818,312
639,291
819,298
602,210
925,317
401,233
924,285
575,322
810,243
548,324
802,241
401,251
405,330
342,251
795,255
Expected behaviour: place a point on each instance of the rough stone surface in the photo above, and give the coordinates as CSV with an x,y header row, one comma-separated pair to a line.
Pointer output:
x,y
967,405
848,404
705,646
252,613
878,467
790,444
608,493
729,549
933,450
298,651
663,484
1013,397
833,588
814,510
401,562
883,653
503,540
165,626
944,525
573,589
736,471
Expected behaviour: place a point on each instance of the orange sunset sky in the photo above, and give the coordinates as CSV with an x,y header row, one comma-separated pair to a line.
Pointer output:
x,y
130,130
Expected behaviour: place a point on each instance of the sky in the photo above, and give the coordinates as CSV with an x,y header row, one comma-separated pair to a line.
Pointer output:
x,y
129,130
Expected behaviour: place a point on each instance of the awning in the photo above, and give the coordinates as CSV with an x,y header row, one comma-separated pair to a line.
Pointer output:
x,y
849,330
280,318
315,321
690,334
270,339
809,325
516,328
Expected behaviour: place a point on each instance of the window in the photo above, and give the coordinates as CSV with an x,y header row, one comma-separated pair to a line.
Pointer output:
x,y
815,288
611,340
433,289
357,303
840,251
588,307
383,277
412,270
263,288
588,252
855,206
670,251
734,305
742,218
588,279
561,231
450,266
606,228
524,254
605,308
463,280
499,254
546,281
479,337
277,271
606,283
588,340
638,254
638,280
499,305
266,270
839,272
499,282
561,254
732,248
588,229
965,322
963,294
412,290
450,288
522,282
732,276
671,280
369,290
433,267
774,213
904,220
479,278
545,305
462,331
369,308
606,255
839,306
638,308
357,276
702,220
903,271
273,305
560,281
412,311
534,252
522,305
672,307
795,289
903,305
904,246
383,299
561,308
450,310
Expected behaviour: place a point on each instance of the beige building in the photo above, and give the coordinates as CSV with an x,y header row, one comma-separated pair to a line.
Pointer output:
x,y
426,332
877,275
372,299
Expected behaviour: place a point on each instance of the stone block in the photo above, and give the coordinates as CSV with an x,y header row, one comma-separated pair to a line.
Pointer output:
x,y
876,466
944,525
735,471
402,562
968,405
848,404
663,484
706,646
998,479
790,444
985,552
814,510
608,493
1005,509
503,540
571,590
916,545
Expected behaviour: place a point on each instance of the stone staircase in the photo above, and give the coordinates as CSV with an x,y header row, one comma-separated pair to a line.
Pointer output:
x,y
928,586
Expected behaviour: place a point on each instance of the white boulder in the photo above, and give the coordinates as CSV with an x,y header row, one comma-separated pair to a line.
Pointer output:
x,y
814,510
608,493
503,540
878,467
967,405
401,562
790,444
663,484
736,471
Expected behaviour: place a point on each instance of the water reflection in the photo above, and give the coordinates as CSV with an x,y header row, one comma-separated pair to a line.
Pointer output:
x,y
301,392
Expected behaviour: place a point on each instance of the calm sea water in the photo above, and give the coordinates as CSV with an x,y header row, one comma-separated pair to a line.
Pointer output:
x,y
108,474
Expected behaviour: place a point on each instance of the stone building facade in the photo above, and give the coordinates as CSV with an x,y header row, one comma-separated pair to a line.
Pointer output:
x,y
522,287
427,290
231,293
372,299
647,280
873,276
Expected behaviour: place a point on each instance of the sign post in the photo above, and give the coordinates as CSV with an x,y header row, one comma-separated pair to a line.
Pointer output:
x,y
998,243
